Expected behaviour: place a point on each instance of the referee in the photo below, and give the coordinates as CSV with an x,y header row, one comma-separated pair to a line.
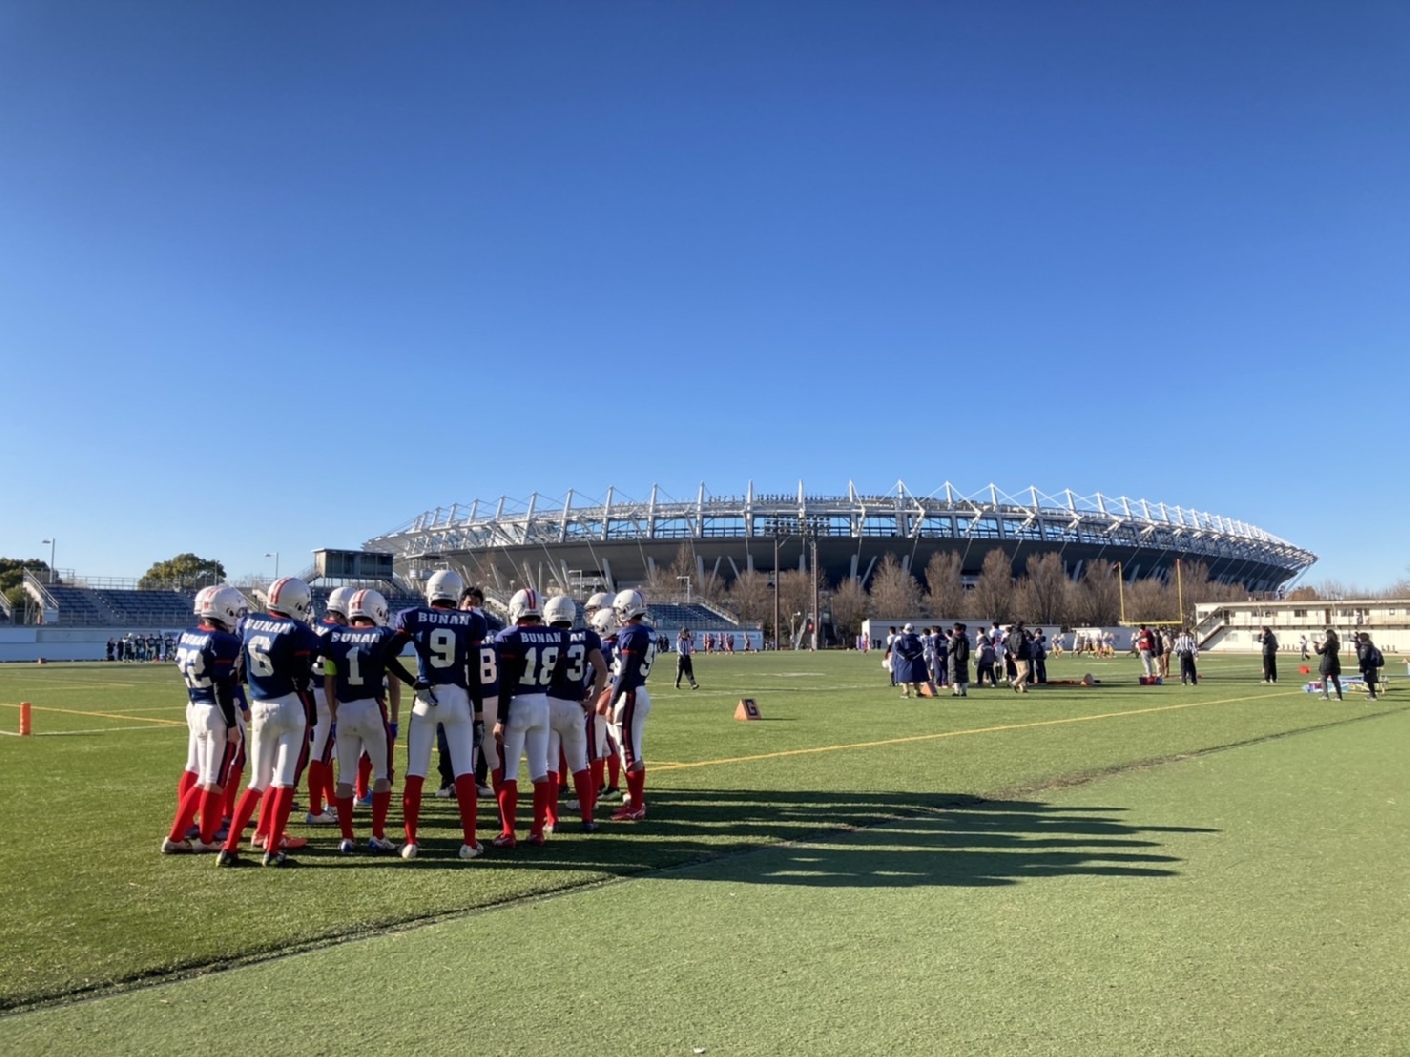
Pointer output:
x,y
685,646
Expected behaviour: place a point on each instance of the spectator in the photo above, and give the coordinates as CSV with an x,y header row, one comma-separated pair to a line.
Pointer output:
x,y
959,661
985,664
1330,666
1270,653
908,662
1021,652
1369,660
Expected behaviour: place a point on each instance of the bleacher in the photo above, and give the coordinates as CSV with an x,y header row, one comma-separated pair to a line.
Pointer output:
x,y
79,606
156,609
686,614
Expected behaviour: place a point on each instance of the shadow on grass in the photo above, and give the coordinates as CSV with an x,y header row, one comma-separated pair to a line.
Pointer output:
x,y
834,838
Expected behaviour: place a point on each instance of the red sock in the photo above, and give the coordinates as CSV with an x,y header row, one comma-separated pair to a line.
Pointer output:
x,y
316,782
232,790
468,800
211,803
587,796
596,768
508,796
636,785
380,802
345,815
183,786
540,807
614,771
262,824
243,810
562,762
185,813
364,775
411,805
552,818
283,804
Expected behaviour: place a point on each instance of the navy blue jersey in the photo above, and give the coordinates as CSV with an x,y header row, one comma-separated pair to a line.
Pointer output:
x,y
636,649
323,629
443,640
206,656
278,655
489,670
576,680
531,656
357,660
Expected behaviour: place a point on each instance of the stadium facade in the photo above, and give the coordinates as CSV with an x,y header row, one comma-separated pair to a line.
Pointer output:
x,y
617,542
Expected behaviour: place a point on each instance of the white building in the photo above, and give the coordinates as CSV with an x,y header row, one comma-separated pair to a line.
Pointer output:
x,y
1233,626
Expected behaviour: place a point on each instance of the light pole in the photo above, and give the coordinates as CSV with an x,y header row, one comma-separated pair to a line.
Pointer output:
x,y
687,588
275,556
52,544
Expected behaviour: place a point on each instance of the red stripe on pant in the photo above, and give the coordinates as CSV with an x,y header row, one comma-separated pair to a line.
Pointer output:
x,y
628,715
387,729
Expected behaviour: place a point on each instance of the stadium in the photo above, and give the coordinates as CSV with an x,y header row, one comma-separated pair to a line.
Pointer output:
x,y
613,542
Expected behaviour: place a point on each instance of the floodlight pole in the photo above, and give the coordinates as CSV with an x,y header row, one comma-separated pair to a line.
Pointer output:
x,y
53,543
275,556
776,574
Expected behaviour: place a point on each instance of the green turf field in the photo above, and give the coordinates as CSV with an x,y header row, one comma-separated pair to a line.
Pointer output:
x,y
1067,871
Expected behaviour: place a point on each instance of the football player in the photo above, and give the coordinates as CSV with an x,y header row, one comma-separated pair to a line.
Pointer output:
x,y
448,692
320,754
207,656
279,648
631,704
357,665
602,742
571,700
532,656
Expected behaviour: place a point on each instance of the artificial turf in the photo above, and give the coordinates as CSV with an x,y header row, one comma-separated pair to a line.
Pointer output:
x,y
803,940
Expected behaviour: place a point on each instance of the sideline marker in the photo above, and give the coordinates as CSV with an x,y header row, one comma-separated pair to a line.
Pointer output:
x,y
747,709
25,727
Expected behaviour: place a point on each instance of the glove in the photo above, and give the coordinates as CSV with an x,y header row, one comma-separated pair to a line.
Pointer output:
x,y
420,684
393,728
333,731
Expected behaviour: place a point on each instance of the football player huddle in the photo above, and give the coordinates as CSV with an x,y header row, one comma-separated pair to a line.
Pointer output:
x,y
568,699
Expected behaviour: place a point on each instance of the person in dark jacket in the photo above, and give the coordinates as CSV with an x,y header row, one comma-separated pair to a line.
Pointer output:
x,y
1021,650
1270,654
1330,665
959,661
1366,657
908,662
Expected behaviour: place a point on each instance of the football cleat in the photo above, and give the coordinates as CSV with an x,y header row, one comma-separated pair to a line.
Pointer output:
x,y
347,846
408,851
610,793
288,843
536,840
323,818
445,792
471,851
506,840
202,847
176,847
365,800
381,844
628,813
193,833
227,858
484,792
278,859
590,826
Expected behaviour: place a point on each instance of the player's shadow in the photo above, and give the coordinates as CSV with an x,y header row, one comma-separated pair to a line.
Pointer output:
x,y
829,838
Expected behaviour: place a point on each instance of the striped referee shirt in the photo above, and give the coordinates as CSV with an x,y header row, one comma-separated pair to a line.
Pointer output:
x,y
1185,645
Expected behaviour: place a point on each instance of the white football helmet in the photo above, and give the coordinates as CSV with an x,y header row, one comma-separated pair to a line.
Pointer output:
x,y
560,609
444,585
219,603
604,622
339,599
290,596
601,600
629,604
370,605
525,603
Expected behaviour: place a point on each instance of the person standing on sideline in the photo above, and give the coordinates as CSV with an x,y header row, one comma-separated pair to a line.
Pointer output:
x,y
908,661
1187,650
1145,646
1369,660
1021,650
685,646
1305,654
984,665
1329,668
1270,653
959,661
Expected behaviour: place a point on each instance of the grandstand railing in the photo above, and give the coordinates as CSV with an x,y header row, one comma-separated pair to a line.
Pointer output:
x,y
35,588
6,608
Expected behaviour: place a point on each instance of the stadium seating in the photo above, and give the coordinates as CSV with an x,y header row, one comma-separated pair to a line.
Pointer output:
x,y
80,606
157,609
676,615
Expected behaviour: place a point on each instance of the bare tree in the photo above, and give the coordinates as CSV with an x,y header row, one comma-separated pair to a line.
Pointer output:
x,y
1045,590
751,597
795,599
894,591
992,596
1095,600
944,595
849,608
1149,601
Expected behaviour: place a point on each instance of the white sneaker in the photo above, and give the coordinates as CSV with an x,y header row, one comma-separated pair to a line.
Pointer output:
x,y
346,846
445,792
323,818
381,844
572,805
470,851
408,851
176,847
201,847
484,792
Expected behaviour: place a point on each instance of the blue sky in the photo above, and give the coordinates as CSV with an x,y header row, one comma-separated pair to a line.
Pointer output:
x,y
281,276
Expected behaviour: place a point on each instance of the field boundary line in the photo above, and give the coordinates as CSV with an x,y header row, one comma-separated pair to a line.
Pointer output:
x,y
913,738
108,715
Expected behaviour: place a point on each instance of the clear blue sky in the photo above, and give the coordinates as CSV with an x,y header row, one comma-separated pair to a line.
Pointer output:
x,y
279,276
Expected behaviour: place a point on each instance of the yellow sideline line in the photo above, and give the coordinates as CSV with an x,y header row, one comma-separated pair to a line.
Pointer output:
x,y
103,715
961,733
91,730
